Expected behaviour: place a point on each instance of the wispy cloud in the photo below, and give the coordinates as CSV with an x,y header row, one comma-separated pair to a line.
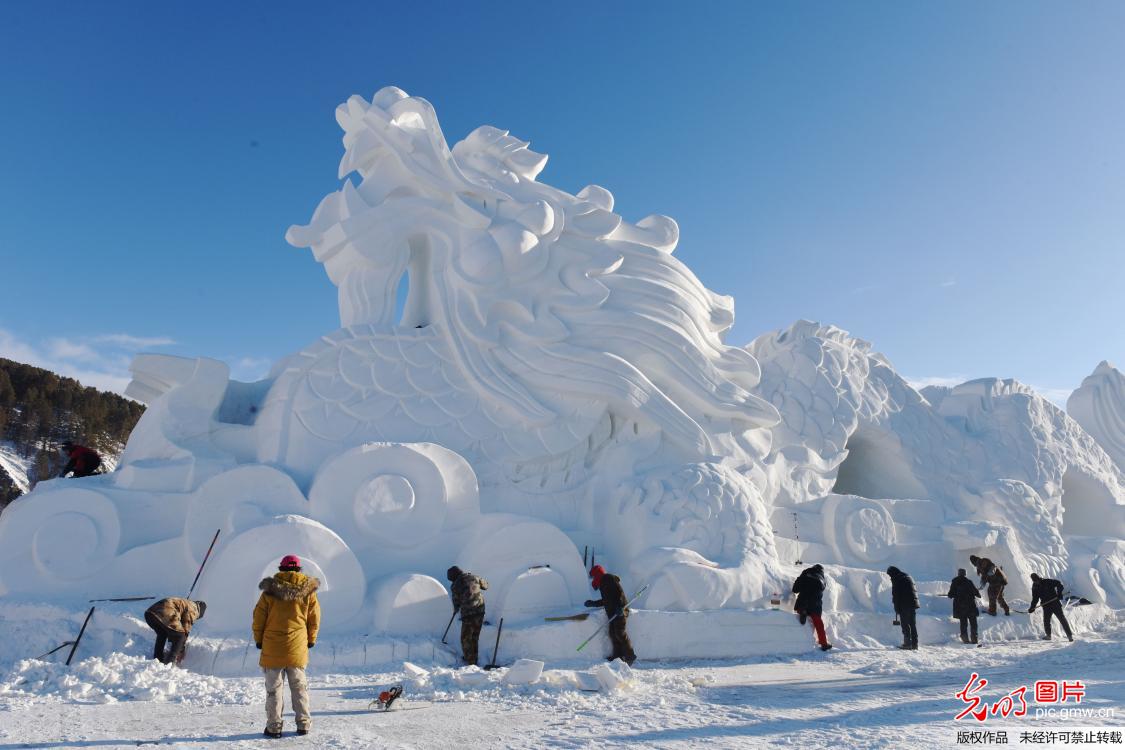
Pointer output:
x,y
126,341
101,362
865,289
948,283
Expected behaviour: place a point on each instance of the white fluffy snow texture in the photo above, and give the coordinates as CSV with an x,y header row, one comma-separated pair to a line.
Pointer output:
x,y
854,698
117,677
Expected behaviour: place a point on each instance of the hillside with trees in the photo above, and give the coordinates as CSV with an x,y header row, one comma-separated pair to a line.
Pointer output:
x,y
39,409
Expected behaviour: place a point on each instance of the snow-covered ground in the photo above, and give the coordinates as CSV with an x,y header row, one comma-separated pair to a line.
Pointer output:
x,y
861,698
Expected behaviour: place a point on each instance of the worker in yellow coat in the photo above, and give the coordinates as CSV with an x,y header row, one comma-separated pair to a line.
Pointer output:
x,y
286,622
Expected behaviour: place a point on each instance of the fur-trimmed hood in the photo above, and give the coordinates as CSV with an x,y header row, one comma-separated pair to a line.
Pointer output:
x,y
289,585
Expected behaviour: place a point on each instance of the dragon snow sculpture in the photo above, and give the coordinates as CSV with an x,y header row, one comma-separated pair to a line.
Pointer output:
x,y
562,350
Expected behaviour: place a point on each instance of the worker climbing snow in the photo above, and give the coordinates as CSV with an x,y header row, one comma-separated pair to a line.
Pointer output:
x,y
286,623
467,591
172,619
809,588
992,576
82,461
615,604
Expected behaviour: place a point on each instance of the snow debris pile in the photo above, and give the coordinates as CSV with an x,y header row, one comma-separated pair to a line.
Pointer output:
x,y
118,677
524,675
558,379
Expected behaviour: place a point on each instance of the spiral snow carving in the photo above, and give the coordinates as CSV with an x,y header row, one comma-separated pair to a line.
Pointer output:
x,y
230,584
859,529
73,533
384,495
236,501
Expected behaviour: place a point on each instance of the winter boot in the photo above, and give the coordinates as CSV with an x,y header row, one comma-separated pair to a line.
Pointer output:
x,y
302,731
1070,638
1044,637
825,646
272,734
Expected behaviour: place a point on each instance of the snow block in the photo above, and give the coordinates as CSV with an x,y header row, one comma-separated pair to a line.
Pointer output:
x,y
413,671
523,672
411,604
609,679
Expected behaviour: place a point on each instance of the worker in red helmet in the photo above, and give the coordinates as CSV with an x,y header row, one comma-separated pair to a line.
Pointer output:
x,y
616,609
286,623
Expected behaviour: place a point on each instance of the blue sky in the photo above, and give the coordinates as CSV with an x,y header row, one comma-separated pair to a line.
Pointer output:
x,y
946,180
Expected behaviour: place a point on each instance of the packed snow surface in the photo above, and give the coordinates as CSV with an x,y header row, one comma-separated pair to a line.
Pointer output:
x,y
848,698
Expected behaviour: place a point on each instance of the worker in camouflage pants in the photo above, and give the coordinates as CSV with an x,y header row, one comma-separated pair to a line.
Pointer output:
x,y
468,598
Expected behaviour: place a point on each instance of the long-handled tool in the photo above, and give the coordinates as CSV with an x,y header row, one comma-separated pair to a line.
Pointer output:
x,y
496,648
56,648
200,571
797,537
447,627
125,599
636,596
74,646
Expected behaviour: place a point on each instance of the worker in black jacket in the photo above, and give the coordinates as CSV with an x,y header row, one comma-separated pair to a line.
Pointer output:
x,y
1050,592
809,588
964,595
616,609
905,600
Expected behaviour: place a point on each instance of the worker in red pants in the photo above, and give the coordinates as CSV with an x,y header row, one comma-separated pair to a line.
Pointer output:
x,y
809,588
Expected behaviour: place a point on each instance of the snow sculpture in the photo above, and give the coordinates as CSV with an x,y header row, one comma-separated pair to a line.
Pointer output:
x,y
69,534
231,585
871,469
387,499
237,501
557,378
408,603
1099,406
546,340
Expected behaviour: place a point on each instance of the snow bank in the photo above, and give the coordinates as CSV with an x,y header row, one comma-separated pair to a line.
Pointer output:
x,y
118,677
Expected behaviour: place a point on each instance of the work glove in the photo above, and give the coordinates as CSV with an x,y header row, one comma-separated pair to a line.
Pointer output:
x,y
1031,610
311,645
259,646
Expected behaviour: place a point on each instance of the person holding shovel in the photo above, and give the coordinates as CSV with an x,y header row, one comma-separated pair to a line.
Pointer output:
x,y
614,602
1050,592
468,598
